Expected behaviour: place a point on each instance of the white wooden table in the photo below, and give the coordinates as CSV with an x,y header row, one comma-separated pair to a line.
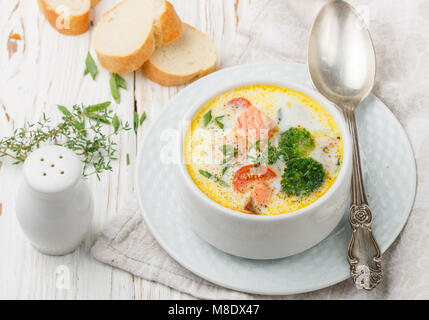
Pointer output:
x,y
44,69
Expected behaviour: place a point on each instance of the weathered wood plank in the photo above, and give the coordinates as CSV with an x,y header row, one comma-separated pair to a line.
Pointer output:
x,y
45,68
217,19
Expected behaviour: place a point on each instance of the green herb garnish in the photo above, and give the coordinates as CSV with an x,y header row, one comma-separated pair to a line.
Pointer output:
x,y
224,170
218,122
142,118
208,175
81,130
229,152
121,82
221,182
97,107
136,121
116,123
128,159
91,67
207,118
226,149
116,82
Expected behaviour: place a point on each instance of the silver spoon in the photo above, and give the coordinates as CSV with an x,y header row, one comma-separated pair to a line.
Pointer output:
x,y
341,61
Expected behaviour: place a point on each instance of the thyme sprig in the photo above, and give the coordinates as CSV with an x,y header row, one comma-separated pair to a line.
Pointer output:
x,y
83,129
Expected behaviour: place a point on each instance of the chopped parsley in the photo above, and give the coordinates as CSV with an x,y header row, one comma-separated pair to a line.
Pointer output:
x,y
208,118
208,175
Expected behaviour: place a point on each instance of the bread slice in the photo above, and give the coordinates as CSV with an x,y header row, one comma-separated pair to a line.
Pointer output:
x,y
128,34
188,58
69,17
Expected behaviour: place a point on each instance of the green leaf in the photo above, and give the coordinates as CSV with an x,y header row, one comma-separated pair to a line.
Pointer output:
x,y
128,159
142,118
97,107
64,110
120,82
218,122
207,118
114,88
206,174
136,121
226,149
116,123
79,125
98,118
91,67
224,170
221,182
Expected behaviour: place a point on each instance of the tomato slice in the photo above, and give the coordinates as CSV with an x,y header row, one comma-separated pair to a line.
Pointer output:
x,y
247,176
238,102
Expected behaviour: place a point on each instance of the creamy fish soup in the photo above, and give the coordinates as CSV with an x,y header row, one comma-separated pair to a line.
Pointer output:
x,y
263,149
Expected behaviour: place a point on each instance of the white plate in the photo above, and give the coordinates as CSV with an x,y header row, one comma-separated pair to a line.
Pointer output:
x,y
390,180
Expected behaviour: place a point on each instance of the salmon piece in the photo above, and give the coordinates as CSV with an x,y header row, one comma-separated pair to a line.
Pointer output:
x,y
255,125
238,102
249,176
261,194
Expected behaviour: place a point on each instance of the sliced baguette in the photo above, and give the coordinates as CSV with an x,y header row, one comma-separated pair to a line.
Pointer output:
x,y
188,58
94,3
68,17
128,34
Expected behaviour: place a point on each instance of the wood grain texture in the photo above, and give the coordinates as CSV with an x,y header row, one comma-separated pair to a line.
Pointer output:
x,y
42,68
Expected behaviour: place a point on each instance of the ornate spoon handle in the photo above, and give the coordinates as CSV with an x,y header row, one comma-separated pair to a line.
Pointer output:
x,y
363,252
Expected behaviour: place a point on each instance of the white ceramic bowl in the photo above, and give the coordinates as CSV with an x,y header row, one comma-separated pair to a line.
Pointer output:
x,y
265,237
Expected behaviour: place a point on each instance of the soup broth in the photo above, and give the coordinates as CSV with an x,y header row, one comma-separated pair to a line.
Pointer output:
x,y
263,149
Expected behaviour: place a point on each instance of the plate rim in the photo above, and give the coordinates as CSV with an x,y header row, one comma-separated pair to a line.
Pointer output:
x,y
202,275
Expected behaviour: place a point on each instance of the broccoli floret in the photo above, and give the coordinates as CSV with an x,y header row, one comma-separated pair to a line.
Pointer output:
x,y
273,153
295,143
302,176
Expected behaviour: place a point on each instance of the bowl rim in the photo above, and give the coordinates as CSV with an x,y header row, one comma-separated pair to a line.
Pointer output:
x,y
234,83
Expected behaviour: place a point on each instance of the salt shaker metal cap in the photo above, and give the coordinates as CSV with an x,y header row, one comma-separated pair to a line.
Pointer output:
x,y
54,204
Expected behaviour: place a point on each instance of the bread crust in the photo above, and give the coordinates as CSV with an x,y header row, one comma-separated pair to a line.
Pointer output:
x,y
167,28
168,79
170,25
78,23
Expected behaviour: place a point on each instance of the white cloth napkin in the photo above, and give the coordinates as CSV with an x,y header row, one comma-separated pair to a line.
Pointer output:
x,y
278,30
